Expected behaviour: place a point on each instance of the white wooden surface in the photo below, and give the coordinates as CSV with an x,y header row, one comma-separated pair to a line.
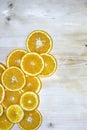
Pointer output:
x,y
64,95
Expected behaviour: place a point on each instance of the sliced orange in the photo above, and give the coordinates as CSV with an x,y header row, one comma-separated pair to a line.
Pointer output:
x,y
50,65
1,110
39,41
2,68
5,124
11,97
14,58
31,121
15,113
2,93
32,84
32,64
29,101
13,79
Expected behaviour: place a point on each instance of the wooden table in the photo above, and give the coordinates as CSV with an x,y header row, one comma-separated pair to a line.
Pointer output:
x,y
64,94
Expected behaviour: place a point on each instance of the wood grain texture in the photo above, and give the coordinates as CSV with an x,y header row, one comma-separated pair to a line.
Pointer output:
x,y
64,94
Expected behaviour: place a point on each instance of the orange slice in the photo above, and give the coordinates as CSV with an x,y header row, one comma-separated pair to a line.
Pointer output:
x,y
31,121
14,58
5,124
39,41
29,101
32,64
2,93
2,68
13,79
32,84
50,65
15,113
11,97
1,110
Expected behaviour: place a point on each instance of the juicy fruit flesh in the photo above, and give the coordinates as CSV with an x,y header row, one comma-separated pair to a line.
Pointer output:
x,y
14,58
15,113
13,79
50,64
2,68
29,101
39,41
32,120
32,84
5,124
11,98
32,64
1,110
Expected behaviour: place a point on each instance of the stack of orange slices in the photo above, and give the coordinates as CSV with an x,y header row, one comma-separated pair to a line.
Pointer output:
x,y
20,82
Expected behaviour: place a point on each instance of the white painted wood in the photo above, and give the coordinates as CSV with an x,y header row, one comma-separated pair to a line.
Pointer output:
x,y
64,94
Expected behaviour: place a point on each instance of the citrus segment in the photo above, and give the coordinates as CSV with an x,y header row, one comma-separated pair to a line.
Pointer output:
x,y
15,113
5,124
32,84
14,58
2,93
29,101
39,41
32,64
13,79
49,65
2,68
1,110
11,97
31,121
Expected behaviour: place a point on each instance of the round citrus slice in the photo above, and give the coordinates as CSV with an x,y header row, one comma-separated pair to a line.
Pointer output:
x,y
11,97
15,113
29,101
32,64
2,93
31,121
1,110
50,65
13,79
39,41
2,68
5,124
32,84
14,58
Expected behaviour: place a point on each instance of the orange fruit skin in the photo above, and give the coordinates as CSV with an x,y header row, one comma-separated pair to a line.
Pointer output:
x,y
2,93
32,64
39,41
50,65
13,79
33,84
5,124
31,121
29,101
14,58
1,110
2,69
11,97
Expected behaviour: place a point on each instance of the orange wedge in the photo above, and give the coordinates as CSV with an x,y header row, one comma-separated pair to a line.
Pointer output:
x,y
11,97
50,65
15,113
32,84
13,79
31,121
1,110
32,64
39,41
14,58
2,68
29,101
2,93
5,124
